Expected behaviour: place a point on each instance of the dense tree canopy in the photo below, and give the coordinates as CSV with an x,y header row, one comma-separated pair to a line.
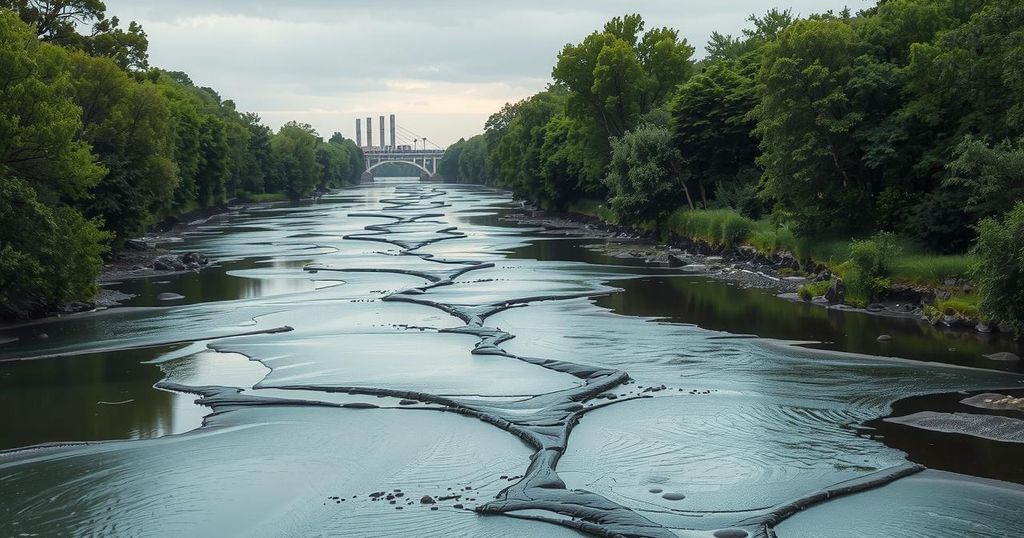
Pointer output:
x,y
95,146
907,117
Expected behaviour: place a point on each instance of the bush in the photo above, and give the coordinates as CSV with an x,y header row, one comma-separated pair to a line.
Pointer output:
x,y
47,255
866,273
999,268
814,289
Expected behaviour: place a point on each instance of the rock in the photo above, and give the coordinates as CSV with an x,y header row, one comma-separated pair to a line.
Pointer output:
x,y
837,293
875,307
714,259
1002,356
137,244
968,288
884,338
694,268
675,261
407,402
950,282
427,499
194,259
168,296
43,336
1005,328
823,276
983,327
168,262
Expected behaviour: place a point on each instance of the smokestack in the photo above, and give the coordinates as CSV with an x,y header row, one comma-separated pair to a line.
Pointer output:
x,y
359,132
369,132
382,133
393,145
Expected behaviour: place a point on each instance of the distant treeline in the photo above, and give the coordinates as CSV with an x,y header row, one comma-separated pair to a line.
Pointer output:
x,y
907,117
95,145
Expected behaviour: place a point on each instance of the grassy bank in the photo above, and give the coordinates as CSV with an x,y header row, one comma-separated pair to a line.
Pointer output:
x,y
868,264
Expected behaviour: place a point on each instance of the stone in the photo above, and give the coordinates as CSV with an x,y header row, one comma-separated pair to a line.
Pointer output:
x,y
837,293
1005,328
168,296
694,268
168,262
875,307
884,338
983,327
427,499
675,261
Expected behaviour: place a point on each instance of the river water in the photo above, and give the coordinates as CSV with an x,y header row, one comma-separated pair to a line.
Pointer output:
x,y
399,341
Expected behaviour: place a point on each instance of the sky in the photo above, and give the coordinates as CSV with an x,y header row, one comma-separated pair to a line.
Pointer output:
x,y
441,66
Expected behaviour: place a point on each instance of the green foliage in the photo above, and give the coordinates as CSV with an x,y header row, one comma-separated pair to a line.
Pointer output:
x,y
870,265
814,289
644,175
992,175
94,147
719,227
930,270
296,169
47,255
1000,268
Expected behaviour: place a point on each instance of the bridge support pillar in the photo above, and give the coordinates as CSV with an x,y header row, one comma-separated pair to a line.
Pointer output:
x,y
367,177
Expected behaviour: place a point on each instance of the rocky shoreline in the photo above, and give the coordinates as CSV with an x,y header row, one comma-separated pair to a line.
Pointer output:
x,y
748,268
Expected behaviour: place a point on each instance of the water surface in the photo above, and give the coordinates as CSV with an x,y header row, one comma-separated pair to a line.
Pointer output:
x,y
401,340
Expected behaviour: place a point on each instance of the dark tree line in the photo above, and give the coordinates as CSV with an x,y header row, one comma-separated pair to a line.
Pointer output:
x,y
95,145
907,117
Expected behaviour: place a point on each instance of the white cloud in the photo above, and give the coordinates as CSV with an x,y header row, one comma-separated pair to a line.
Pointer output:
x,y
441,66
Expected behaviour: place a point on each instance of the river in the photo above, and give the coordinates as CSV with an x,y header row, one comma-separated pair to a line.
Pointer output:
x,y
398,360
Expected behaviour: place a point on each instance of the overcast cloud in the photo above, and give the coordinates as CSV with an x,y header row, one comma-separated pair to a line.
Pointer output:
x,y
441,66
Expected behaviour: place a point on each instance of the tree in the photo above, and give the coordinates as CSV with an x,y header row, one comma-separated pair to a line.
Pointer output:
x,y
999,269
614,77
38,120
805,122
448,168
644,178
296,169
711,126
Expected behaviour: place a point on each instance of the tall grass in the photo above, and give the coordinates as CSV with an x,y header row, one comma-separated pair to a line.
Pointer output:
x,y
930,269
718,227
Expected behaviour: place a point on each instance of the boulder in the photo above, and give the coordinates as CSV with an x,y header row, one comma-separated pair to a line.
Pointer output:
x,y
168,296
876,307
694,268
837,293
168,262
675,261
884,338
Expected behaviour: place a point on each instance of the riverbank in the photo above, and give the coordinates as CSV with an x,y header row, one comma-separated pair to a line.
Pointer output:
x,y
747,266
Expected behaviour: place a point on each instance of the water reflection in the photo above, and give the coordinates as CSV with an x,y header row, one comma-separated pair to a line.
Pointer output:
x,y
91,397
722,306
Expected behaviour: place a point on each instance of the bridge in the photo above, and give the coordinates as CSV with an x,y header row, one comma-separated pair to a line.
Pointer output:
x,y
425,160
406,147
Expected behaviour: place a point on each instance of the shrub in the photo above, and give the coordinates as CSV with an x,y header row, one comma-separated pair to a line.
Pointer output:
x,y
867,271
814,289
999,268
